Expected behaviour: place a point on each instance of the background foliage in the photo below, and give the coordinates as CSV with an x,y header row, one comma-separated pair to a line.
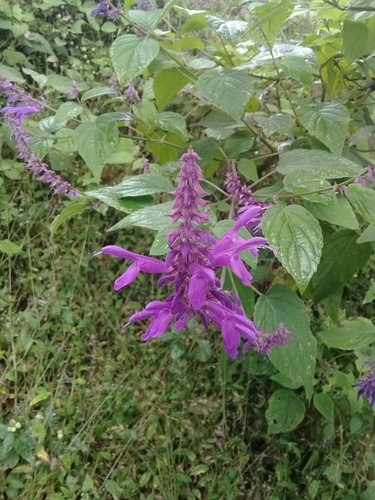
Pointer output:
x,y
284,89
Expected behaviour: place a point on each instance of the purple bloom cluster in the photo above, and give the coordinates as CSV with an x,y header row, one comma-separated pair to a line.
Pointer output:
x,y
240,193
367,179
366,384
106,7
194,256
20,105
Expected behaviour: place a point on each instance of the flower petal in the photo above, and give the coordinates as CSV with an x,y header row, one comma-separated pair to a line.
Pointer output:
x,y
128,277
197,291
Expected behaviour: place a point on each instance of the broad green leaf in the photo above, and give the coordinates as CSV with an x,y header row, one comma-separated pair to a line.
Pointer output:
x,y
75,206
248,169
139,187
350,335
160,244
303,183
95,142
9,248
358,40
231,31
228,90
363,200
297,238
370,295
11,74
271,17
195,22
154,218
322,164
238,143
279,123
144,18
341,258
338,212
176,79
97,92
367,235
329,123
280,305
66,112
131,55
324,404
285,411
298,68
172,122
124,152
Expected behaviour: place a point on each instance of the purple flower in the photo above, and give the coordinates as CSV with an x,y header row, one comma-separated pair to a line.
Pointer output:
x,y
240,193
366,384
20,105
107,8
131,93
367,179
145,5
194,256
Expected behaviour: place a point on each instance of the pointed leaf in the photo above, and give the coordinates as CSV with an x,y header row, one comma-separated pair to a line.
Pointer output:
x,y
297,360
285,411
363,200
350,335
131,55
338,212
297,238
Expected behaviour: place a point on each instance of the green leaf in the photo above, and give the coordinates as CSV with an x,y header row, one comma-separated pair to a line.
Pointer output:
x,y
97,92
322,164
228,90
145,112
271,17
370,295
303,182
154,218
11,74
350,335
248,169
113,489
131,55
144,18
176,79
231,31
285,411
9,248
329,123
296,67
363,200
298,240
124,152
160,244
338,212
358,40
341,258
95,142
367,235
66,112
172,122
297,361
138,186
76,206
324,404
280,123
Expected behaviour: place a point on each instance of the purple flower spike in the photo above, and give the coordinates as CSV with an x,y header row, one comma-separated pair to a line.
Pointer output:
x,y
366,384
190,265
20,105
367,179
240,193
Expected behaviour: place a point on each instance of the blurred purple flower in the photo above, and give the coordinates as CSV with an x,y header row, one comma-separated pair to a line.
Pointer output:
x,y
23,105
367,179
106,7
366,384
131,93
194,255
145,5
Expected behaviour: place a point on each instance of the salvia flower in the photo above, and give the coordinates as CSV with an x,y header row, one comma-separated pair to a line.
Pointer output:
x,y
366,384
238,191
367,179
106,7
190,269
20,105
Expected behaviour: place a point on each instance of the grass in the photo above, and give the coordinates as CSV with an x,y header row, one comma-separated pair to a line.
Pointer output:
x,y
89,411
